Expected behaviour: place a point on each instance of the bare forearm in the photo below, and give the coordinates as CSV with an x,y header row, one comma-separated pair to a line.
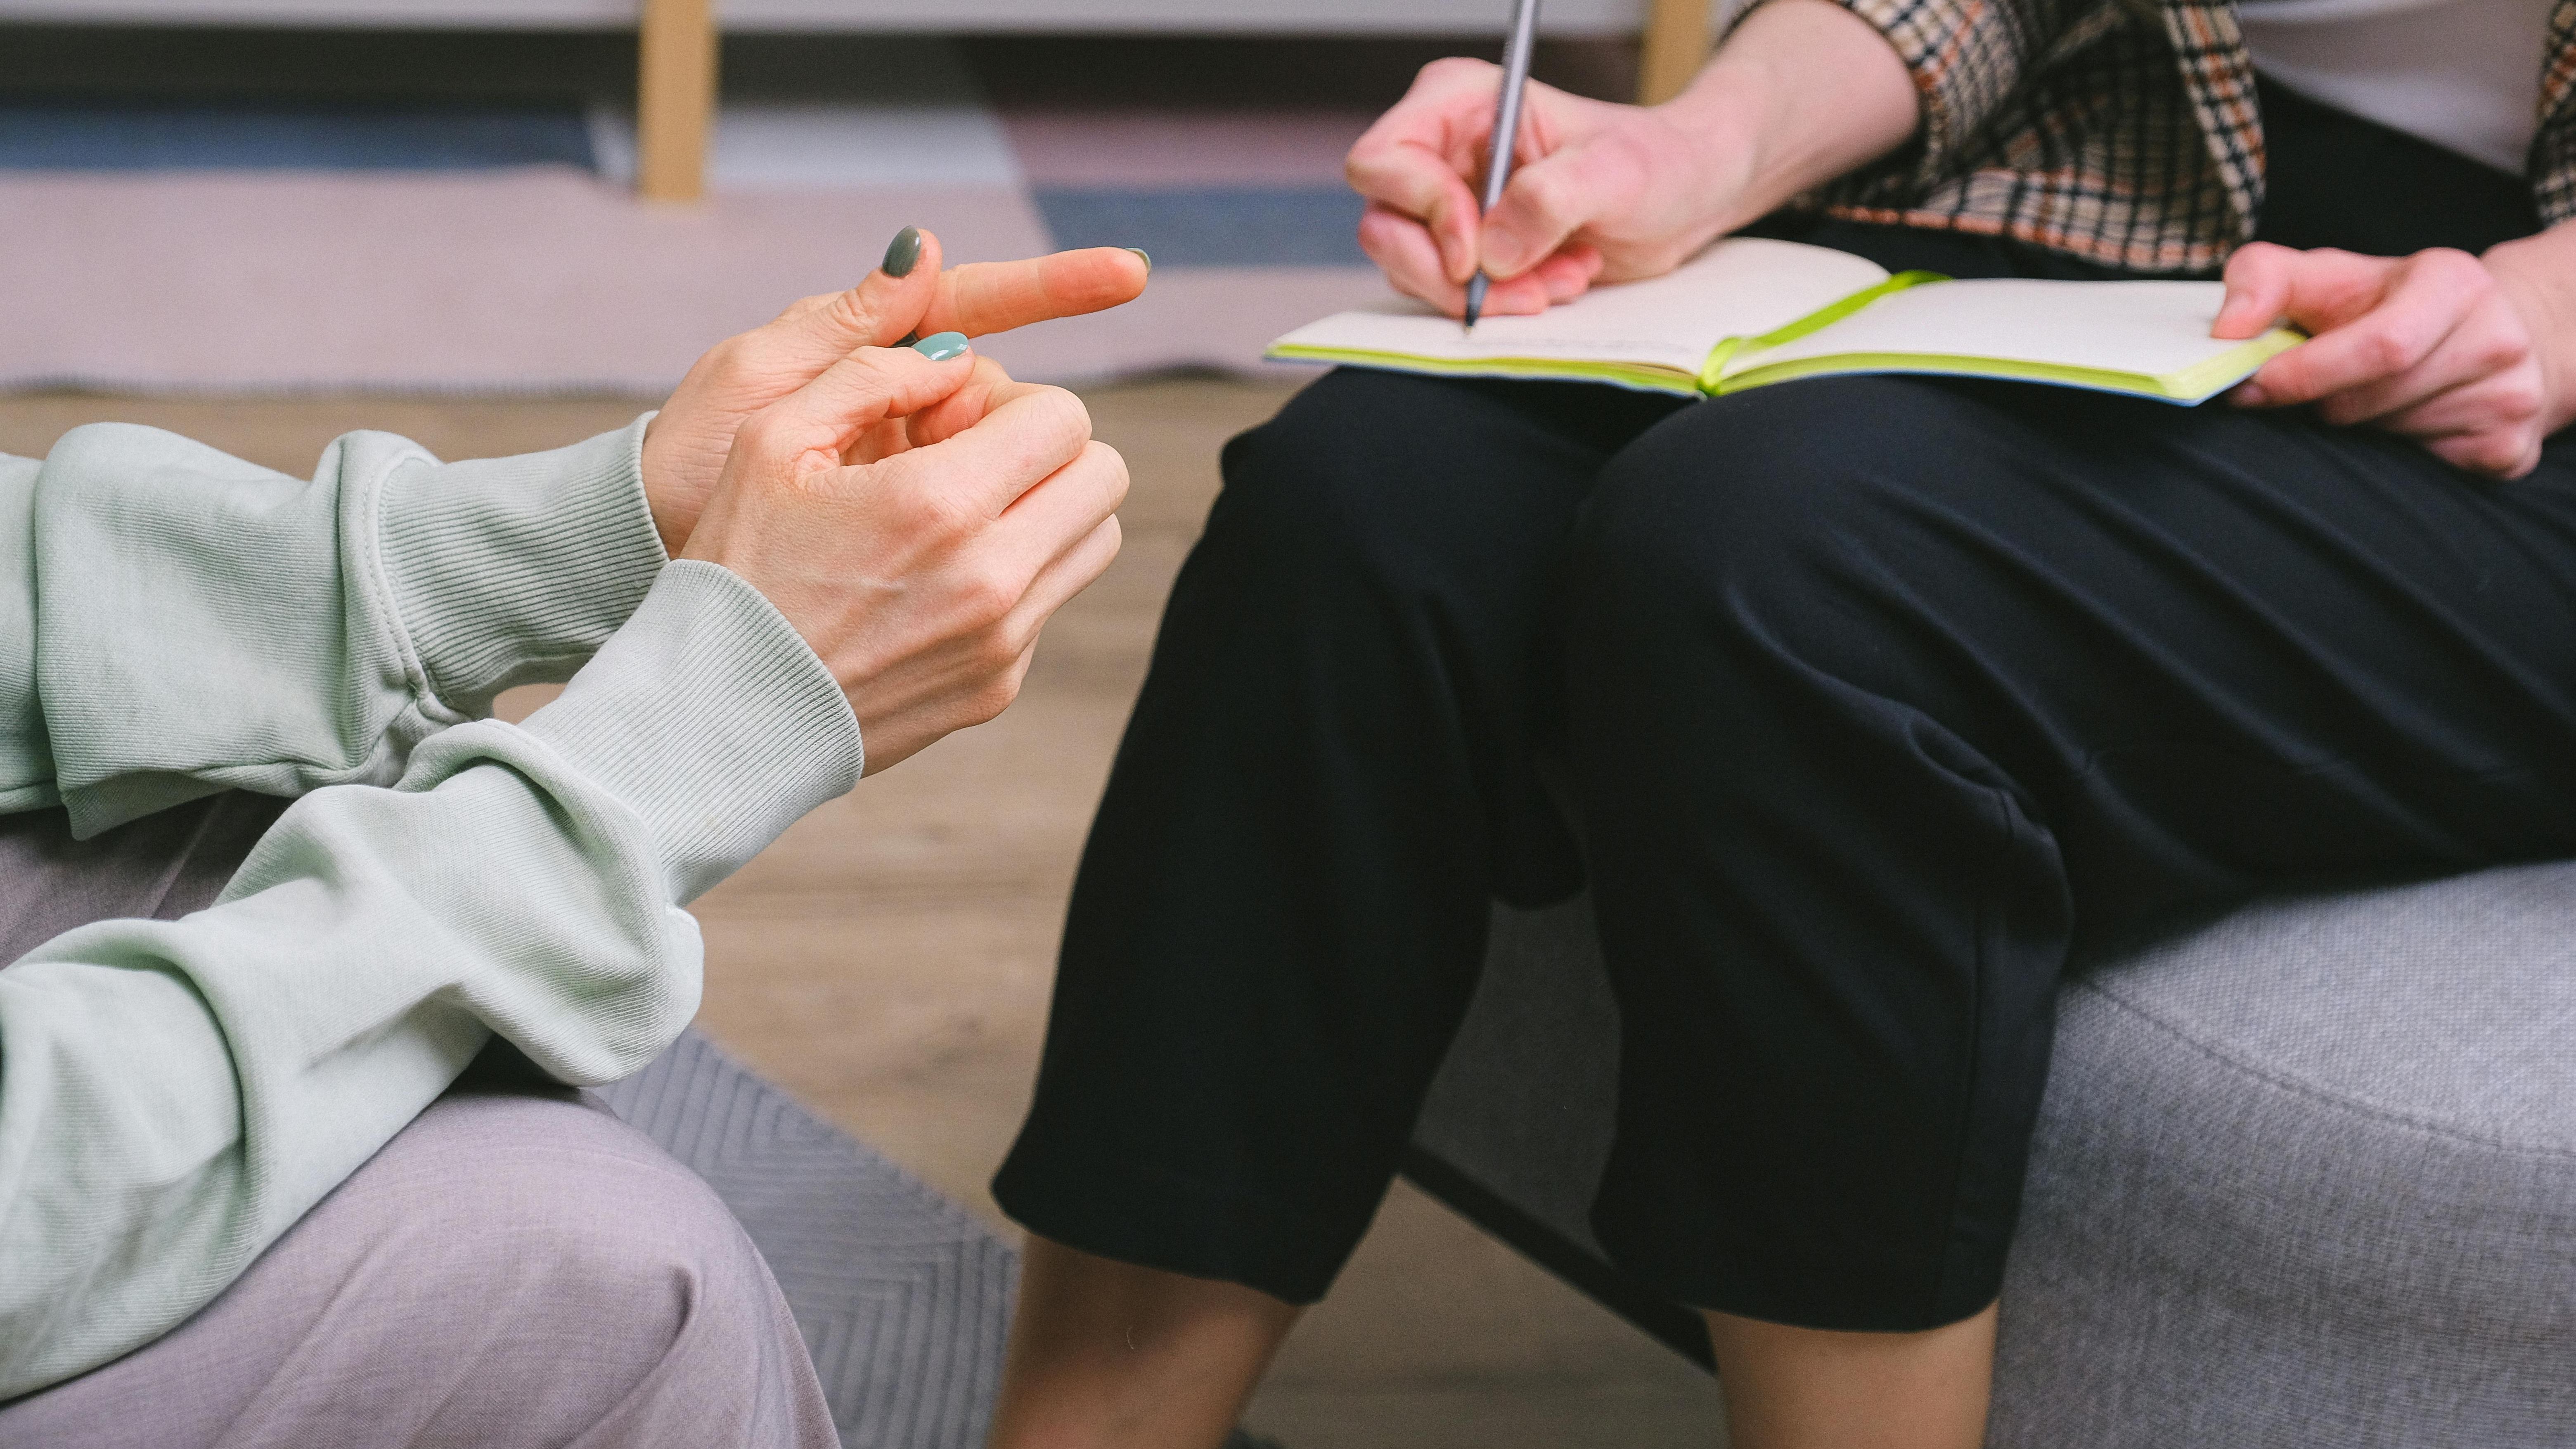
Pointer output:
x,y
1802,92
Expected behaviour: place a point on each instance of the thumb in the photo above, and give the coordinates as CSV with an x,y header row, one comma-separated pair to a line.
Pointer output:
x,y
2258,290
1547,201
881,311
2316,290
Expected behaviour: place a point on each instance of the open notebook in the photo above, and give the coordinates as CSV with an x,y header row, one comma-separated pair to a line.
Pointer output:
x,y
1748,312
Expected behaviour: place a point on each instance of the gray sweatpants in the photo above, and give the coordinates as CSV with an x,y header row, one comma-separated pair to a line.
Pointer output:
x,y
516,1268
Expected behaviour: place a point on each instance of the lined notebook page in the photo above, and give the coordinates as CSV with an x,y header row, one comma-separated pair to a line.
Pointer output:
x,y
2153,328
1738,288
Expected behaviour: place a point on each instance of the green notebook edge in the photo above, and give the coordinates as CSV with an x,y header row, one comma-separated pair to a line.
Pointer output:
x,y
2193,385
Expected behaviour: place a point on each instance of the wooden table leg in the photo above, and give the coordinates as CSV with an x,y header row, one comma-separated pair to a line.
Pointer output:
x,y
1676,46
675,98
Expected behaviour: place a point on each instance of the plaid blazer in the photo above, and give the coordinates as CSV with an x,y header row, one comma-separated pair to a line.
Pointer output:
x,y
2122,131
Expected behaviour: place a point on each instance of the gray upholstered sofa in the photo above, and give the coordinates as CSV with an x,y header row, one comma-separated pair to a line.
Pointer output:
x,y
2306,1175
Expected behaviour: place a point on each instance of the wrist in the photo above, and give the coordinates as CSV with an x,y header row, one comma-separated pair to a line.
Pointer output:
x,y
1719,118
1801,93
674,507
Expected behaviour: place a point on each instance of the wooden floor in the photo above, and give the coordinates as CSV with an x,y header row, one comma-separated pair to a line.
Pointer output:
x,y
887,962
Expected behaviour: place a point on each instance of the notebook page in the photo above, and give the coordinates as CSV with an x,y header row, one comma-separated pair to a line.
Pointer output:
x,y
2153,328
1738,288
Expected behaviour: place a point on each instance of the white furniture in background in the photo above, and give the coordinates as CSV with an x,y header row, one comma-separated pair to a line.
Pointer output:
x,y
677,79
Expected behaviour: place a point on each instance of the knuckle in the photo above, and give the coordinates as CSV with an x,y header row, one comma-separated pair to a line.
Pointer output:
x,y
2519,398
2386,349
2256,260
1112,468
730,355
764,434
997,651
2493,452
849,307
2498,349
984,599
1550,192
987,703
947,512
2455,268
1063,422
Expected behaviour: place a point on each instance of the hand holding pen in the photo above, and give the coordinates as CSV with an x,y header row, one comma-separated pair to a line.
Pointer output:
x,y
1598,191
1507,130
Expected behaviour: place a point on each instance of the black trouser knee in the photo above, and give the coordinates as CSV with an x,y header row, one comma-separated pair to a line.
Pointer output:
x,y
1888,697
1283,904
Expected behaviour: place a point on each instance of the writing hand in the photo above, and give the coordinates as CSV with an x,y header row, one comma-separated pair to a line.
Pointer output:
x,y
1597,191
1801,92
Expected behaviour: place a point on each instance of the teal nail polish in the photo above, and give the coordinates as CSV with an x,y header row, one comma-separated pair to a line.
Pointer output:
x,y
941,346
903,253
1145,257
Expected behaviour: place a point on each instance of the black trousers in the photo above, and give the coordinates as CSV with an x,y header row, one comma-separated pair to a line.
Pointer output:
x,y
1879,701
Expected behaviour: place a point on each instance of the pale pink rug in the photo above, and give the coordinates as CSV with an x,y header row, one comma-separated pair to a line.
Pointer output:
x,y
539,280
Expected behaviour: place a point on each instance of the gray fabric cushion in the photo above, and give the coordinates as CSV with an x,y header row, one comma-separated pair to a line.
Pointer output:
x,y
2305,1175
2308,1176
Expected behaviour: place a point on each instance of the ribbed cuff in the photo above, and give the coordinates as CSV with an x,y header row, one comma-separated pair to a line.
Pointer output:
x,y
708,715
514,570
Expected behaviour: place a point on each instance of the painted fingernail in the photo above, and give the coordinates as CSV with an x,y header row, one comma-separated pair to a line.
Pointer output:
x,y
941,346
902,253
1146,257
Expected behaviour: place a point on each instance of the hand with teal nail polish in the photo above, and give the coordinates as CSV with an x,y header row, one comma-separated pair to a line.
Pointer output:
x,y
917,516
907,296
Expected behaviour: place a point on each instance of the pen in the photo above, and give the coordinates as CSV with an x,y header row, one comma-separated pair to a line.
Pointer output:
x,y
1507,130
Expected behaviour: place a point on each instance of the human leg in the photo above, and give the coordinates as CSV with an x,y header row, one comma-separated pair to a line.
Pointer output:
x,y
1112,1355
1790,1387
515,1268
1888,697
1282,908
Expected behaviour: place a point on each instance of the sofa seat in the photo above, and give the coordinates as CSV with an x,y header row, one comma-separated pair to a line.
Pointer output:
x,y
2305,1174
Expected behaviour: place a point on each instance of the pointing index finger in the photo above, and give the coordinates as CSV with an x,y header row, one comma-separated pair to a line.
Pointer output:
x,y
982,297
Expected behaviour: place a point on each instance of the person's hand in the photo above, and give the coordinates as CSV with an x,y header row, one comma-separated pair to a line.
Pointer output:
x,y
918,522
1599,192
2440,347
1802,91
685,447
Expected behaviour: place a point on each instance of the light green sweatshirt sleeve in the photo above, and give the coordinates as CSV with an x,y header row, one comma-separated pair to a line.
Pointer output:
x,y
174,1095
199,623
